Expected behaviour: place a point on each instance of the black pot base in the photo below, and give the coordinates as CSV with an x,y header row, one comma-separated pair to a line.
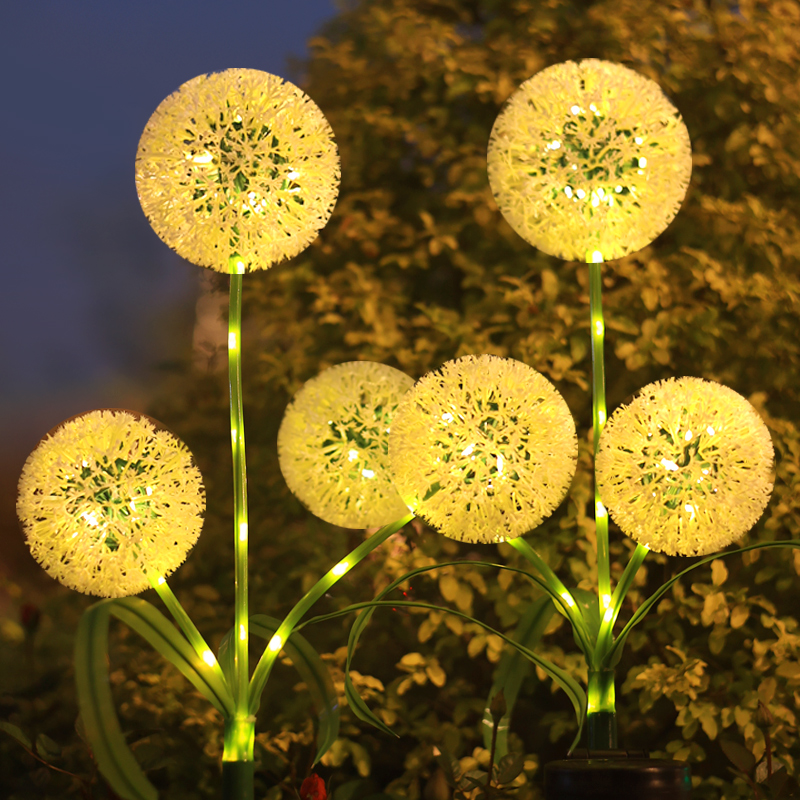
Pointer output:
x,y
617,775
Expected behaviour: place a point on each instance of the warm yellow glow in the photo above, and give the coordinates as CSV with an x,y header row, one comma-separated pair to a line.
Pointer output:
x,y
601,416
242,531
209,658
107,498
483,449
161,580
340,568
237,170
609,615
242,632
567,598
234,435
333,442
598,327
600,510
702,455
557,171
275,643
231,341
606,600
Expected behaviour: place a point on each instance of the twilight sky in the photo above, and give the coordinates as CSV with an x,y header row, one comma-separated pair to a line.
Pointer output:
x,y
91,298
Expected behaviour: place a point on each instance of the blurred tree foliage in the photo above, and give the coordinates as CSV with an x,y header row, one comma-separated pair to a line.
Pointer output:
x,y
417,267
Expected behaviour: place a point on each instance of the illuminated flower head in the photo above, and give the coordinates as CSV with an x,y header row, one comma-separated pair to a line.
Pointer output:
x,y
686,468
483,449
107,497
333,444
589,157
237,170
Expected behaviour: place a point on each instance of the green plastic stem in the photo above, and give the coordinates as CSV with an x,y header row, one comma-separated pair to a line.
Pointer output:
x,y
185,623
268,657
599,415
558,591
604,637
601,717
239,744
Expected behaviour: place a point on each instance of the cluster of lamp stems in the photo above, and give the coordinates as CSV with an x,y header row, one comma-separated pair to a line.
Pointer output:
x,y
246,691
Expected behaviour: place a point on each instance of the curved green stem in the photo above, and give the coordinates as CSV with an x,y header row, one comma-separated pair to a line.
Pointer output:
x,y
559,592
598,421
268,657
644,608
239,735
185,623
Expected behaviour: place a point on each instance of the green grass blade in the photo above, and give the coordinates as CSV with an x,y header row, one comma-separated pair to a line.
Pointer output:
x,y
114,757
109,747
615,652
512,670
315,674
562,678
153,626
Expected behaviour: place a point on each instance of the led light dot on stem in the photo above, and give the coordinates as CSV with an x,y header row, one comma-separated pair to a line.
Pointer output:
x,y
599,413
239,747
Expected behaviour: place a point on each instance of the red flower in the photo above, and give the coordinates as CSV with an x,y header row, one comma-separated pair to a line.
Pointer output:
x,y
313,788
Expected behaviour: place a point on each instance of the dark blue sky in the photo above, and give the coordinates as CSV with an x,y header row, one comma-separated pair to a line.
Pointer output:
x,y
92,302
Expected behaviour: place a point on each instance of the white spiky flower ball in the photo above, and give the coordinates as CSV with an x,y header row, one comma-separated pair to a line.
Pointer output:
x,y
589,157
106,498
333,444
237,170
483,449
686,468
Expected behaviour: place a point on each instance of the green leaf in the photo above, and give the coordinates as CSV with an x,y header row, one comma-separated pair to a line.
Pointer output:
x,y
152,625
114,757
562,678
361,709
739,756
510,767
451,767
47,748
314,673
512,669
13,730
615,652
109,747
587,602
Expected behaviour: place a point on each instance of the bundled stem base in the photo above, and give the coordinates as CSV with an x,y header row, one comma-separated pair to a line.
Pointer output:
x,y
237,780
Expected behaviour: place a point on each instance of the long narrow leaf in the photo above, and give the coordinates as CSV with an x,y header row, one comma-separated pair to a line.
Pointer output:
x,y
114,757
314,673
562,678
110,749
153,626
512,670
615,652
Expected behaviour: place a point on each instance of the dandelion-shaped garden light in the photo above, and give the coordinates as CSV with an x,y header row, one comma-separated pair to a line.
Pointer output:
x,y
590,161
110,503
236,171
483,449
